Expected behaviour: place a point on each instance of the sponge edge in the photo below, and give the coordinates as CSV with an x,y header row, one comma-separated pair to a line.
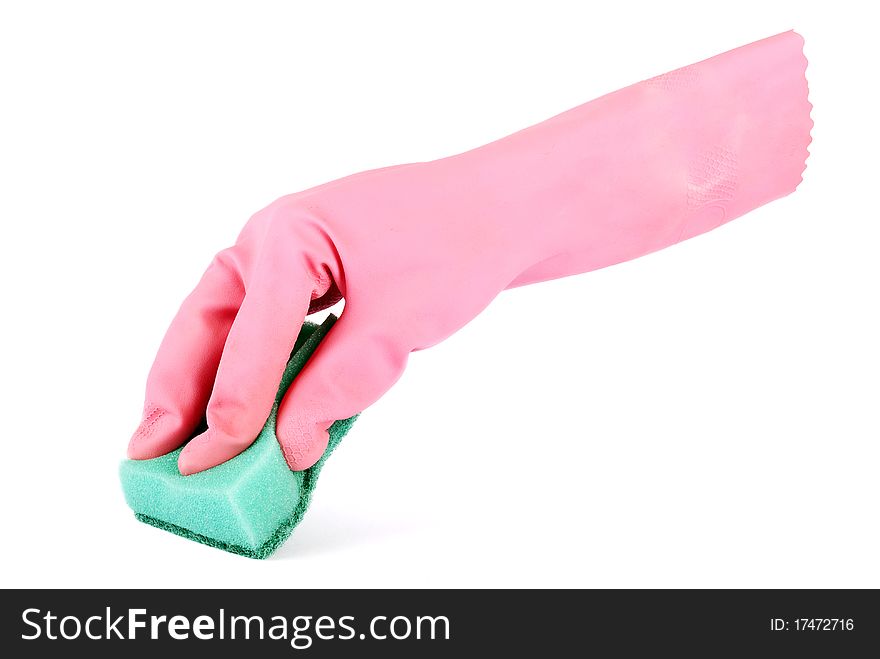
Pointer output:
x,y
248,505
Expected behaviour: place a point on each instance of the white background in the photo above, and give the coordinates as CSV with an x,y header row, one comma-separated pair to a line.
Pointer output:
x,y
704,416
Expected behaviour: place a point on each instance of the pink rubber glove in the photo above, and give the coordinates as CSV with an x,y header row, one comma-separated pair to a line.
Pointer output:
x,y
418,250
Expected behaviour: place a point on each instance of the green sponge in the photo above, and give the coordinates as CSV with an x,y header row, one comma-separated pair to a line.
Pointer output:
x,y
248,505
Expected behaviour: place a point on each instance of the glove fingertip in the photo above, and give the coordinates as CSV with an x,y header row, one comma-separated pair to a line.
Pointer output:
x,y
303,443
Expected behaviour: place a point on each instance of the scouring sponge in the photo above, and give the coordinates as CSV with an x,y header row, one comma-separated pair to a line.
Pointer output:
x,y
248,505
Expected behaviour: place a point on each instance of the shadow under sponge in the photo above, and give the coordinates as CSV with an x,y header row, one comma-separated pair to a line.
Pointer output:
x,y
248,505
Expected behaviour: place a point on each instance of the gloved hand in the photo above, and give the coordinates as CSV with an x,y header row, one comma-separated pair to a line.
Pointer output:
x,y
418,250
